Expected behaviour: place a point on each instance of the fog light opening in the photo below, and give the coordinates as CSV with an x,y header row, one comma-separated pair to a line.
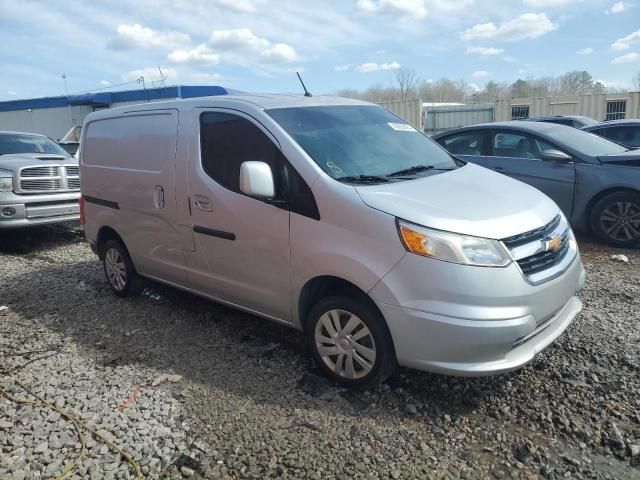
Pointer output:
x,y
8,212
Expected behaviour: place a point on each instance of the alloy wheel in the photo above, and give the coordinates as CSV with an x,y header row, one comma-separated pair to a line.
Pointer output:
x,y
115,268
621,221
345,344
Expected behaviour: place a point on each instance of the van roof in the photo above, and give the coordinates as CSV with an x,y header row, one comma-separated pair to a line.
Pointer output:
x,y
264,101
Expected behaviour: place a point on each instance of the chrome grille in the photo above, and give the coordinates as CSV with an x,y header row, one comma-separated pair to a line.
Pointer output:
x,y
39,172
43,184
49,178
545,252
73,171
543,260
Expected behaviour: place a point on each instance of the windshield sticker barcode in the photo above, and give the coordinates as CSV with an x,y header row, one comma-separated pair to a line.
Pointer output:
x,y
402,127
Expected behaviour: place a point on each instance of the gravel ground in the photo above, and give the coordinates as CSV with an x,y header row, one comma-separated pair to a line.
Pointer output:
x,y
189,388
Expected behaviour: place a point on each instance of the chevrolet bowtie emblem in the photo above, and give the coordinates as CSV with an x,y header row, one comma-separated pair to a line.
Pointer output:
x,y
554,244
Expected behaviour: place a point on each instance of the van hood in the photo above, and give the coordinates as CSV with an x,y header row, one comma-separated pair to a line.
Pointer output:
x,y
13,162
470,200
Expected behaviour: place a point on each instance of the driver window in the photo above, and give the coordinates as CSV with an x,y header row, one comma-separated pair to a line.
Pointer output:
x,y
516,145
226,141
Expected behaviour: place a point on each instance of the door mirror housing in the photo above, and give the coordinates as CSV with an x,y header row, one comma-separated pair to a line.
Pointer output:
x,y
554,155
256,180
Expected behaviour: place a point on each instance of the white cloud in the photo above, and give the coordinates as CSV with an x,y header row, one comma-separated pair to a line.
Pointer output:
x,y
342,68
150,74
549,3
395,8
473,87
486,51
242,44
625,43
586,51
376,67
13,93
480,74
137,36
617,7
628,58
105,83
200,55
448,5
527,25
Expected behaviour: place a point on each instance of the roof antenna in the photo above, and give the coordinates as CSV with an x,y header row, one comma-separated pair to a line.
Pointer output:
x,y
306,92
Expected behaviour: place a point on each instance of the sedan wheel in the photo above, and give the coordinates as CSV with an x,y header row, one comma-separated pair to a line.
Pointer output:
x,y
615,219
621,221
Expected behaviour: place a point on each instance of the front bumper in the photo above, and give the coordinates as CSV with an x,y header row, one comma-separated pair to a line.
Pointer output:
x,y
473,321
39,210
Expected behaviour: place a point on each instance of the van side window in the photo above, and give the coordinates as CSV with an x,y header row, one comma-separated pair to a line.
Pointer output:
x,y
226,141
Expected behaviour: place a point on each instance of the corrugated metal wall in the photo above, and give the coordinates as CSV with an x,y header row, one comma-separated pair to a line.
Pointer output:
x,y
594,106
440,118
410,110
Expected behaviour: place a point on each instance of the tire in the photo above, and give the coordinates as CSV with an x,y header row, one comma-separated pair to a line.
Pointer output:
x,y
364,354
118,268
615,219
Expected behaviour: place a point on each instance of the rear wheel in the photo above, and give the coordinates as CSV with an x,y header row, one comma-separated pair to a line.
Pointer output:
x,y
118,268
615,219
350,341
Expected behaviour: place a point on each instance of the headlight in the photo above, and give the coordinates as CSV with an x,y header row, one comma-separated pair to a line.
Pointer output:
x,y
452,247
6,184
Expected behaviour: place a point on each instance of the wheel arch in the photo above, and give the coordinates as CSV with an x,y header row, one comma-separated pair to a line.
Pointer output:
x,y
105,234
324,286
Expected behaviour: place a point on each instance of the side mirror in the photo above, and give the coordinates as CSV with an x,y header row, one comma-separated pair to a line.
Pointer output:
x,y
256,180
554,155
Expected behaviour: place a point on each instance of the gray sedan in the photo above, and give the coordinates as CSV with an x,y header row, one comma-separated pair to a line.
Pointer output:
x,y
594,181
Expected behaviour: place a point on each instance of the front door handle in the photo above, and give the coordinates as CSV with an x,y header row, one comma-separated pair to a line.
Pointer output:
x,y
202,203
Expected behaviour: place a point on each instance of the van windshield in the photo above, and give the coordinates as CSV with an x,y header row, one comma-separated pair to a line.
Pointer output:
x,y
362,143
24,143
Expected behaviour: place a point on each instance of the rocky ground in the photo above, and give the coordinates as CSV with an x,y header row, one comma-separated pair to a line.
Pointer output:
x,y
189,388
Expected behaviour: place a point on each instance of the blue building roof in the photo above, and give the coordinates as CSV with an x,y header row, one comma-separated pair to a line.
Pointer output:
x,y
105,99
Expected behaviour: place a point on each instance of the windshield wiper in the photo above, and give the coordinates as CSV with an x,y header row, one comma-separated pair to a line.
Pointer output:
x,y
417,169
363,179
410,170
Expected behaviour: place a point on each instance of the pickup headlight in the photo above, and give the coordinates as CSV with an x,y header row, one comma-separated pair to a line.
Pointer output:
x,y
452,247
6,184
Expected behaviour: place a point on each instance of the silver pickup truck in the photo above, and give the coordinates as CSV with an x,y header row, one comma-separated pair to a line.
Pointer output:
x,y
39,181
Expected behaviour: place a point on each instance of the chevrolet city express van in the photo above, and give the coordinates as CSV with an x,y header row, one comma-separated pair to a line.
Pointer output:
x,y
337,218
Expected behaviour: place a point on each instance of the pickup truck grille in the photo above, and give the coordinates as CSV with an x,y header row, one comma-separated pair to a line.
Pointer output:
x,y
48,179
544,253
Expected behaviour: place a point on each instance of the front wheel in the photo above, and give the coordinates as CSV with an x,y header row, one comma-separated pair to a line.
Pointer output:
x,y
350,341
615,219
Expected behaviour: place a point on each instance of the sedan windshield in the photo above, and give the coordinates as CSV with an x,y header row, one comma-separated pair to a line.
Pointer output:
x,y
24,143
584,142
362,143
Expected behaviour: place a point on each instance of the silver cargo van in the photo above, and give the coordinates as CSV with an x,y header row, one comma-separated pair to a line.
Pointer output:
x,y
337,218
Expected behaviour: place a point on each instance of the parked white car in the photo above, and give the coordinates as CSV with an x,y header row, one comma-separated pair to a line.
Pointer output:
x,y
335,217
39,181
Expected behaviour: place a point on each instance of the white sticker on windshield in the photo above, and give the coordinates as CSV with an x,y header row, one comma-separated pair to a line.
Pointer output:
x,y
402,127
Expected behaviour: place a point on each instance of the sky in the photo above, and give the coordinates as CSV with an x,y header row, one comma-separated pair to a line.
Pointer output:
x,y
258,45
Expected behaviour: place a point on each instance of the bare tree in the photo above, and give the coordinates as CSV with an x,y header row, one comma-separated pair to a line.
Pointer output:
x,y
636,80
407,80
